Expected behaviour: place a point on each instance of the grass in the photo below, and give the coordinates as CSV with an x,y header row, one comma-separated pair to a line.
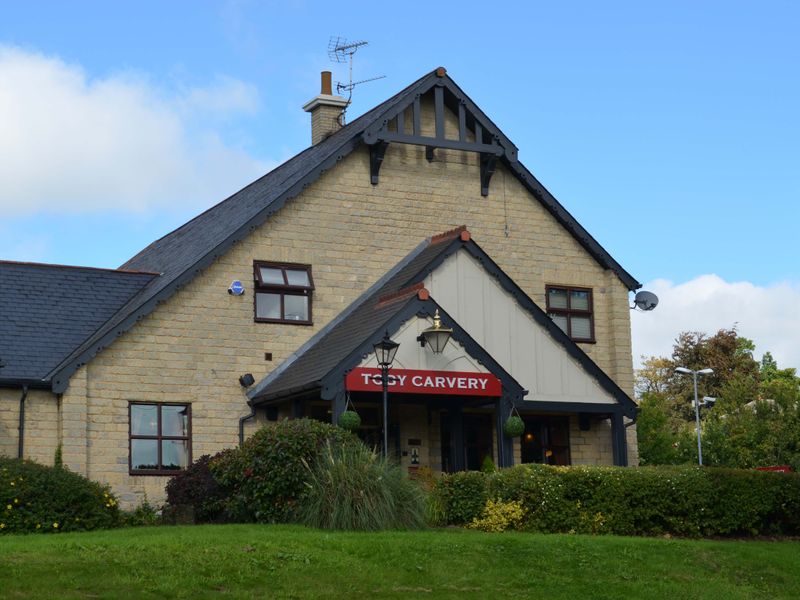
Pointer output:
x,y
243,561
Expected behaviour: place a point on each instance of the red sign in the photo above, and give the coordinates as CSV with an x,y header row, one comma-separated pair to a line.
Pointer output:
x,y
411,381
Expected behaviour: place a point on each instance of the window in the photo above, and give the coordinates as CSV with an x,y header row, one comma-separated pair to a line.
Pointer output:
x,y
160,438
283,293
571,309
546,440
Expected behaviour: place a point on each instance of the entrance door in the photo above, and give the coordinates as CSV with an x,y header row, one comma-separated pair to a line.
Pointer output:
x,y
466,440
477,440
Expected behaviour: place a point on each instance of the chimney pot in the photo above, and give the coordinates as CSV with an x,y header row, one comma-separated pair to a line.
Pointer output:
x,y
327,86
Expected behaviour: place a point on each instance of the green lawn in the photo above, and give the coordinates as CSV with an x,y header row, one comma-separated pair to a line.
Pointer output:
x,y
242,561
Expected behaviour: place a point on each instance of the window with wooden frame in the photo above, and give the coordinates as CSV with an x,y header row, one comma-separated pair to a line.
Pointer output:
x,y
160,437
283,293
571,309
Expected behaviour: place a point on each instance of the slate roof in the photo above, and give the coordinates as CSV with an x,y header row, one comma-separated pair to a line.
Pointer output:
x,y
338,344
48,310
180,255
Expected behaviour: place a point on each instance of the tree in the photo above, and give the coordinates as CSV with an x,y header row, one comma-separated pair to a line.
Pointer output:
x,y
756,419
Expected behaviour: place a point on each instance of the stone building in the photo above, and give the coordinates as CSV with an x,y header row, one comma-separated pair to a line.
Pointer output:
x,y
267,306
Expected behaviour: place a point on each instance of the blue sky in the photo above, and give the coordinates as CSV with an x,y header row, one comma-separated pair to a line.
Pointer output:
x,y
669,130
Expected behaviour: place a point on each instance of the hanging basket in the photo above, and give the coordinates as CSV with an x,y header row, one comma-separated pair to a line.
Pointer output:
x,y
349,420
514,426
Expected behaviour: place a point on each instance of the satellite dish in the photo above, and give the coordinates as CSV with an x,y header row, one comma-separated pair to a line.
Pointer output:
x,y
645,301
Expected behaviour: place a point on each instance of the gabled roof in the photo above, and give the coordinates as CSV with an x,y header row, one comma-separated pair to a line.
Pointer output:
x,y
182,254
339,346
48,310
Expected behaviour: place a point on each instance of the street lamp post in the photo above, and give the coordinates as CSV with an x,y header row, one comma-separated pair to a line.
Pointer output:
x,y
385,351
694,374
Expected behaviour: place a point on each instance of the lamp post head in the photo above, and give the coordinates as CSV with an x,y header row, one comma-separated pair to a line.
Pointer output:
x,y
683,370
385,350
705,372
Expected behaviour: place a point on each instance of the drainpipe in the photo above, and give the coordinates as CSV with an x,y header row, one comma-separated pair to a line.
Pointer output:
x,y
241,424
22,420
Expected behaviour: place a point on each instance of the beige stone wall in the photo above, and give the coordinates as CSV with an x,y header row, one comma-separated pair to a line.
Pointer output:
x,y
194,347
592,447
9,421
41,425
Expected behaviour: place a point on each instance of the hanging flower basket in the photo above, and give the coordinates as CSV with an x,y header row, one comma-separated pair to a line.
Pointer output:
x,y
349,420
514,426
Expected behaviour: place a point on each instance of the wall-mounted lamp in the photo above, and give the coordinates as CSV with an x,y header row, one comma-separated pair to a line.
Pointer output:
x,y
435,336
247,380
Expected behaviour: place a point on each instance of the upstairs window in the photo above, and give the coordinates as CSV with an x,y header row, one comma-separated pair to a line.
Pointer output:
x,y
571,309
283,293
160,438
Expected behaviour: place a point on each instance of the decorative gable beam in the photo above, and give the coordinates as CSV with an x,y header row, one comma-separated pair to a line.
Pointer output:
x,y
488,141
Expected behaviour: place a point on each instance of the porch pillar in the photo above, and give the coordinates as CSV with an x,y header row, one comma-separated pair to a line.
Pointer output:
x,y
618,442
505,445
456,416
337,406
298,408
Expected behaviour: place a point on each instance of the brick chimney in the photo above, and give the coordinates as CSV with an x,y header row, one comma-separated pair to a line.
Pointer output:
x,y
326,111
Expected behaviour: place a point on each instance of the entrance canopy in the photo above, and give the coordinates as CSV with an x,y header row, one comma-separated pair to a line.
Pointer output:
x,y
502,345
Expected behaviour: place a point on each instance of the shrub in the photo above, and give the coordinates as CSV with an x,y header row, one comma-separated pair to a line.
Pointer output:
x,y
36,498
144,515
463,496
499,515
197,488
684,501
264,478
352,488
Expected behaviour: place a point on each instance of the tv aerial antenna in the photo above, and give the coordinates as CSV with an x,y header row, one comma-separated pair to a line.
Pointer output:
x,y
342,51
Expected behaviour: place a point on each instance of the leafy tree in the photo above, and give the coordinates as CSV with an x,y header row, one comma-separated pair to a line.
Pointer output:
x,y
755,422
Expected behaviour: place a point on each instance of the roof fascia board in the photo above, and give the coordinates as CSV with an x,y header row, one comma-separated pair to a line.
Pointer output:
x,y
38,384
571,224
61,374
540,316
539,406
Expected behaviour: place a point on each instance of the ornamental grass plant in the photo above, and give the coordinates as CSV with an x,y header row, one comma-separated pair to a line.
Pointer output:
x,y
351,487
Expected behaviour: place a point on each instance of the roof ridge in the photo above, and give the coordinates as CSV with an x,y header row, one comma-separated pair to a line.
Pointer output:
x,y
60,266
416,288
460,231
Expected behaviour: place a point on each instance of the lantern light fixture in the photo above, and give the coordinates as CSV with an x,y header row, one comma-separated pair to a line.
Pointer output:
x,y
435,336
385,350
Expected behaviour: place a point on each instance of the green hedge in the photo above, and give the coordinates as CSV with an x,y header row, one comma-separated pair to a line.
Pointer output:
x,y
39,499
684,501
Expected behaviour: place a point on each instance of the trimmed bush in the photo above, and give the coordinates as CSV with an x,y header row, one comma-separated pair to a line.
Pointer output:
x,y
514,426
196,487
462,496
353,488
39,499
264,478
684,501
350,420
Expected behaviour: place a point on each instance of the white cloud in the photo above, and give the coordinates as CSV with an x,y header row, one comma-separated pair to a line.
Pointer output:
x,y
70,143
767,315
